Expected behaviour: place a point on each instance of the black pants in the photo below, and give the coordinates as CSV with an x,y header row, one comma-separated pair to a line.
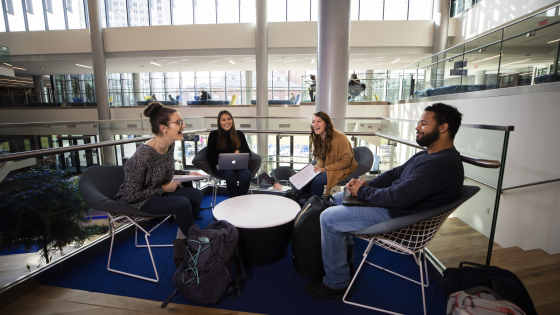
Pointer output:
x,y
184,203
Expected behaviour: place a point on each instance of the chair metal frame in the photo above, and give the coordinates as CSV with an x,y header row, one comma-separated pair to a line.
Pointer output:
x,y
134,219
410,240
215,184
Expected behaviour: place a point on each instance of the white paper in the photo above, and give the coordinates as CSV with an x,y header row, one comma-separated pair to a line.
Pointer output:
x,y
304,176
188,178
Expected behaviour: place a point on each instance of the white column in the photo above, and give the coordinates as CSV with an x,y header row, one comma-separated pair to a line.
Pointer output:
x,y
261,48
248,87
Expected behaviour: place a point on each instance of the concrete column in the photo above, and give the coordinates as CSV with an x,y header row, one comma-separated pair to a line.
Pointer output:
x,y
261,49
333,53
38,86
100,77
68,85
441,19
137,87
83,88
369,86
248,87
479,77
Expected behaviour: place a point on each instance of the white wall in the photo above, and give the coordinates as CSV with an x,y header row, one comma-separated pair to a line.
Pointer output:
x,y
490,14
528,217
47,42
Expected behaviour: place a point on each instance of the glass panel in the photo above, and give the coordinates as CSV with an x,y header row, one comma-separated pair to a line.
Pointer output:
x,y
420,9
526,58
76,15
276,10
484,41
233,86
354,10
103,13
314,10
481,69
202,82
410,77
228,11
247,11
449,73
396,10
138,12
15,16
371,10
394,85
182,12
35,17
161,13
55,15
204,12
117,13
157,86
299,10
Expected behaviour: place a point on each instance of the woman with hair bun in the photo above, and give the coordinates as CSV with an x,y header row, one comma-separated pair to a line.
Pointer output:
x,y
149,172
228,140
333,152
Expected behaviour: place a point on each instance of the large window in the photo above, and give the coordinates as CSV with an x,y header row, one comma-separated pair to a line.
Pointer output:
x,y
76,14
247,11
35,17
182,12
15,15
371,10
161,12
138,13
204,12
228,11
458,6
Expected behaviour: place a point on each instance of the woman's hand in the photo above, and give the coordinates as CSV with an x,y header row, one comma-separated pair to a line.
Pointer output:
x,y
170,187
236,151
195,173
320,169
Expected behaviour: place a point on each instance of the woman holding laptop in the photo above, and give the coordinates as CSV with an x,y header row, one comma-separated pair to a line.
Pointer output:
x,y
148,173
333,152
228,140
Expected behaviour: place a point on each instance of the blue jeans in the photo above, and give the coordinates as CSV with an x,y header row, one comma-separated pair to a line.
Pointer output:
x,y
232,177
334,244
317,185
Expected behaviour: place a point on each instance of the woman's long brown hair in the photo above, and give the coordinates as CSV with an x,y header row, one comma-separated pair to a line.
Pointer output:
x,y
222,145
319,147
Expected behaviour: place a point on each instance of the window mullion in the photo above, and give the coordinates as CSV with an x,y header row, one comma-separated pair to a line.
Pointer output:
x,y
24,9
64,4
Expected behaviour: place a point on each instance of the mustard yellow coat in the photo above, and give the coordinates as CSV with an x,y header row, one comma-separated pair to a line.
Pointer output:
x,y
340,160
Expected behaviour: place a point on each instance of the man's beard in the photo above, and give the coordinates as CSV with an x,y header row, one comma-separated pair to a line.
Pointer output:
x,y
429,138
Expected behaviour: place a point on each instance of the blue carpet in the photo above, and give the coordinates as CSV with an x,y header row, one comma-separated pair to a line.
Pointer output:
x,y
274,289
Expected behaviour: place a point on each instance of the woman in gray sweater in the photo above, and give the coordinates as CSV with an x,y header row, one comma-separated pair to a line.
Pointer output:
x,y
148,173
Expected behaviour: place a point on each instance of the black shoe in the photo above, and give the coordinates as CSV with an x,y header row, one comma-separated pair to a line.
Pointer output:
x,y
320,291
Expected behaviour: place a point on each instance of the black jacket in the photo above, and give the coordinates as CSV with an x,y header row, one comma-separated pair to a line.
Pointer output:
x,y
214,151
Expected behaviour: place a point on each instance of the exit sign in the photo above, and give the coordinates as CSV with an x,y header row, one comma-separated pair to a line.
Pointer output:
x,y
543,23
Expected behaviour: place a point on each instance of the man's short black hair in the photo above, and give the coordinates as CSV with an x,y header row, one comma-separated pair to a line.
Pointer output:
x,y
446,114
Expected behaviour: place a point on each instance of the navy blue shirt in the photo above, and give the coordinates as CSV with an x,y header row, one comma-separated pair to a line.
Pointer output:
x,y
424,182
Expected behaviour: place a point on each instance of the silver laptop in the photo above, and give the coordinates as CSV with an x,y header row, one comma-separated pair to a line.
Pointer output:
x,y
233,161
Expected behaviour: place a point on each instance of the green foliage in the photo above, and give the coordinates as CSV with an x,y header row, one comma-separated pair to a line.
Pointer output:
x,y
42,207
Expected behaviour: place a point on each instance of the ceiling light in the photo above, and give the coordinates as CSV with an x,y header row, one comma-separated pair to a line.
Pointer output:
x,y
489,58
184,59
157,64
231,61
79,65
516,62
19,68
552,41
313,60
7,64
395,61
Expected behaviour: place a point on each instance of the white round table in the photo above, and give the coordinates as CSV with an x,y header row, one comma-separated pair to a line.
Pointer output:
x,y
264,222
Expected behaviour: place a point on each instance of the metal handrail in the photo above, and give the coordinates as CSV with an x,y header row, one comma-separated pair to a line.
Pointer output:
x,y
532,184
18,156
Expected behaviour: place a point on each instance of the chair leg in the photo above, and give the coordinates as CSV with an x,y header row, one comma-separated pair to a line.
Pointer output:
x,y
421,283
136,243
214,194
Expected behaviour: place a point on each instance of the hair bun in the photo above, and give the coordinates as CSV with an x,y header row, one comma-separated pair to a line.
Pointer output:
x,y
152,109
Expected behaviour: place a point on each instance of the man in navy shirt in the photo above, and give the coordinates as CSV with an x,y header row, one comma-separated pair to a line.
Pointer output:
x,y
427,180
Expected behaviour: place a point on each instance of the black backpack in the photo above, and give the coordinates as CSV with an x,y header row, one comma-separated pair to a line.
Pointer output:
x,y
204,275
306,238
299,196
502,281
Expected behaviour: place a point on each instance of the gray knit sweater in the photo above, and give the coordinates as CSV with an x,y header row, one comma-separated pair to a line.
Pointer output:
x,y
144,174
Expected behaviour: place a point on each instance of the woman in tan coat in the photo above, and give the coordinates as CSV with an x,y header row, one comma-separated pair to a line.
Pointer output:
x,y
333,153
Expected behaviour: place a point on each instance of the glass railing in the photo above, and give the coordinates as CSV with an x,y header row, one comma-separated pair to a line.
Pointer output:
x,y
30,176
523,53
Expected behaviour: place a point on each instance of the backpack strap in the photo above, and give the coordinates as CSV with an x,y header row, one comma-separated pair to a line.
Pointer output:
x,y
164,304
241,275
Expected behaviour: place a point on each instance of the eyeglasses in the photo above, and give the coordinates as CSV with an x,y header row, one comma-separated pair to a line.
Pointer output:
x,y
178,122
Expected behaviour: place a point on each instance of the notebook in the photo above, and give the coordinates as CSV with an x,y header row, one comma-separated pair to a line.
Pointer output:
x,y
304,176
349,200
233,161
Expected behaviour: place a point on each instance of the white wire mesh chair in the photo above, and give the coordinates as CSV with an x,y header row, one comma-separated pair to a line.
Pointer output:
x,y
98,185
408,235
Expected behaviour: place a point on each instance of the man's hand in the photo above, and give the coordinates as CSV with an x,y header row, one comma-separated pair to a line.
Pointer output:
x,y
170,187
320,169
354,185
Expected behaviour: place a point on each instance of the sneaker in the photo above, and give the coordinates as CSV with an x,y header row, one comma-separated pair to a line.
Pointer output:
x,y
320,291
